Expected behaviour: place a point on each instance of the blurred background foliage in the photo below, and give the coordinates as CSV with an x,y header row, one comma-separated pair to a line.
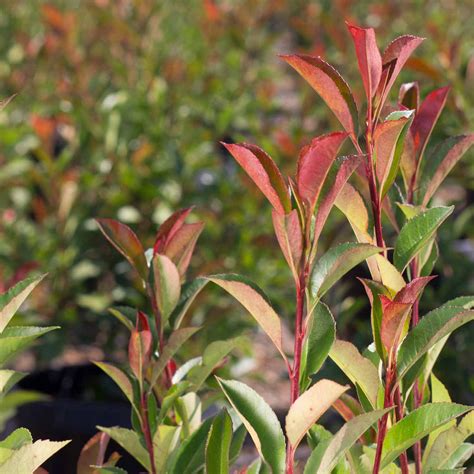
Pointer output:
x,y
120,108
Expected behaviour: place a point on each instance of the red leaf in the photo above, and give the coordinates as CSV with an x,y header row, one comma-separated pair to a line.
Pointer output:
x,y
314,164
412,291
289,235
409,95
169,228
126,242
140,345
179,248
426,118
264,172
385,138
393,60
348,165
368,57
330,85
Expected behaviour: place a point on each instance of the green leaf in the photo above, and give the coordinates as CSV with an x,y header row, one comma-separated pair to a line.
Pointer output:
x,y
164,442
218,444
8,378
334,264
326,456
260,421
130,441
18,438
432,328
30,457
12,299
15,339
119,377
309,407
416,233
254,300
359,370
125,315
175,341
237,442
126,242
447,442
191,454
166,285
416,425
211,357
440,163
175,391
319,338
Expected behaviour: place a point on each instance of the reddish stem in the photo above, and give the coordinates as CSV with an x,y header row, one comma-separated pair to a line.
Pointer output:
x,y
146,430
398,416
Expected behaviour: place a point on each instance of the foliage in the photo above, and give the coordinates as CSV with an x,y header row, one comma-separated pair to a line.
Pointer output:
x,y
18,452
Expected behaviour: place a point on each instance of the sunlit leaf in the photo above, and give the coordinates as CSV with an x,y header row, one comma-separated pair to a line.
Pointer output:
x,y
330,85
416,425
416,233
255,302
326,456
166,285
260,421
309,407
126,242
264,172
218,444
368,57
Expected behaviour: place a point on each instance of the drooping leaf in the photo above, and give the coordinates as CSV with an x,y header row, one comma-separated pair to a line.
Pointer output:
x,y
212,356
441,161
218,444
12,299
260,421
30,457
125,315
330,85
309,407
432,328
15,339
416,425
416,233
340,172
360,371
166,285
264,172
426,118
126,242
255,302
335,263
119,377
320,335
175,341
130,441
325,457
290,237
393,59
368,57
314,164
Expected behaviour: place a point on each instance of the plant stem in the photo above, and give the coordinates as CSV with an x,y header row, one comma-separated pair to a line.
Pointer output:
x,y
295,371
382,424
398,416
146,430
417,396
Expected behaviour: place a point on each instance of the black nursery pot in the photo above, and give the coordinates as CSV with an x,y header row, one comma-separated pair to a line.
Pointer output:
x,y
82,397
